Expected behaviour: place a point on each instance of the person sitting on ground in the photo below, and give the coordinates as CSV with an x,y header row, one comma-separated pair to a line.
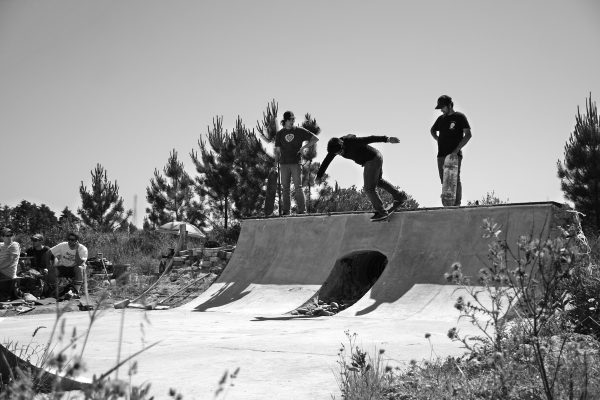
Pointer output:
x,y
358,150
41,260
40,254
70,261
10,252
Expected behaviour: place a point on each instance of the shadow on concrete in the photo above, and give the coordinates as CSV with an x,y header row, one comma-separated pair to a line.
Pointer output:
x,y
229,293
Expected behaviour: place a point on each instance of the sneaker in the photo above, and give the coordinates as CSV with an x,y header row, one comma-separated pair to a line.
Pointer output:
x,y
378,216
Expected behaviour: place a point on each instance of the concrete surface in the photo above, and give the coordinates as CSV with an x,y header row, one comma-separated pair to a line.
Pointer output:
x,y
278,264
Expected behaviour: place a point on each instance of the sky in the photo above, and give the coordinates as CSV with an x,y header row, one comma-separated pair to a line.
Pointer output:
x,y
123,83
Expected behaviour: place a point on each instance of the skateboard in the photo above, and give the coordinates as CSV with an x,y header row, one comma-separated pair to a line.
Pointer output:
x,y
390,210
450,180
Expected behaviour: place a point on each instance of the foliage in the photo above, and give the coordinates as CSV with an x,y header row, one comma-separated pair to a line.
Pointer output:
x,y
489,199
267,130
171,197
268,127
28,218
310,169
579,173
216,178
67,217
338,199
102,208
534,281
361,376
232,167
252,165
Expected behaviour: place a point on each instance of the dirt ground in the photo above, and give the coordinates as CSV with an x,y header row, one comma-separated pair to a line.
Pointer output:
x,y
105,293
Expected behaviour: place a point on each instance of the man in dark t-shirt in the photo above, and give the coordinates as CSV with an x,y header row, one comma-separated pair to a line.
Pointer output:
x,y
451,131
358,150
288,148
41,256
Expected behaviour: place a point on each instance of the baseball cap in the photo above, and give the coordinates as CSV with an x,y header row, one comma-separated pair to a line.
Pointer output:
x,y
443,100
38,237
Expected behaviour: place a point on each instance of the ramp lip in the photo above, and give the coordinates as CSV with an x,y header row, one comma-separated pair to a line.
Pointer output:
x,y
535,203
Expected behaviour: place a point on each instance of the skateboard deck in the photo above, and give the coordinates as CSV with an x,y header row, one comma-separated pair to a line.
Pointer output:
x,y
450,180
391,209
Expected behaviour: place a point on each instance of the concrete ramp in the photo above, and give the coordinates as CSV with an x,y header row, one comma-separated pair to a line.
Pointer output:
x,y
280,263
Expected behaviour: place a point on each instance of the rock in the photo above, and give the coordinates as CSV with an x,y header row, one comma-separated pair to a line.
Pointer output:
x,y
302,311
335,305
295,312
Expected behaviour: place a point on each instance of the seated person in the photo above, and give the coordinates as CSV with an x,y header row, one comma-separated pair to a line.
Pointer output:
x,y
40,255
35,275
70,261
10,252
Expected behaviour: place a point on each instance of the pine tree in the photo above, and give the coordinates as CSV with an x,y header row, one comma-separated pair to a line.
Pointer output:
x,y
5,216
268,129
580,171
214,163
309,170
171,197
252,165
102,208
30,218
67,217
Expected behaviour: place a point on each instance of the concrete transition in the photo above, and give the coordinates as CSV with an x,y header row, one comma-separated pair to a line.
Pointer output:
x,y
280,263
243,320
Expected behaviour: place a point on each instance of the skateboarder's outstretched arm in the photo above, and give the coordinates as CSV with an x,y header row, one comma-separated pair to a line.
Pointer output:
x,y
325,164
374,139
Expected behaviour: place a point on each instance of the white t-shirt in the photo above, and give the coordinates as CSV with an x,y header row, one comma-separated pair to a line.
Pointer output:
x,y
65,256
8,267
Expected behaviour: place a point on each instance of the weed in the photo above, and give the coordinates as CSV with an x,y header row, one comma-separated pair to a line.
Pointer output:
x,y
360,375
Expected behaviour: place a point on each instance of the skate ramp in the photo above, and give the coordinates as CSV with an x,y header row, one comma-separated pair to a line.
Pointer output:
x,y
280,263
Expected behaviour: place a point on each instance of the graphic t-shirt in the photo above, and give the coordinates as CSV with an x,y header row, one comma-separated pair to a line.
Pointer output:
x,y
66,256
451,132
9,259
290,141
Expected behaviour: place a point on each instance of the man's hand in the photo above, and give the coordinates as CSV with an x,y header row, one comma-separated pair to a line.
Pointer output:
x,y
393,139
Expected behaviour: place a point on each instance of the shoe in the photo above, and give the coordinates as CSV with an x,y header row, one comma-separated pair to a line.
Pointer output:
x,y
378,216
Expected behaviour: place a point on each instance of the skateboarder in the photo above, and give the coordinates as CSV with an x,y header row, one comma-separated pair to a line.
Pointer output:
x,y
288,147
451,131
358,150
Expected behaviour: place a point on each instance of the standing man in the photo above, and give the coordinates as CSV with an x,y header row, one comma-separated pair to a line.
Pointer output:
x,y
452,132
358,150
70,261
288,147
10,252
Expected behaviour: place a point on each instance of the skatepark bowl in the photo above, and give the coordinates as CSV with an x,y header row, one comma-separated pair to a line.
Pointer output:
x,y
391,273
